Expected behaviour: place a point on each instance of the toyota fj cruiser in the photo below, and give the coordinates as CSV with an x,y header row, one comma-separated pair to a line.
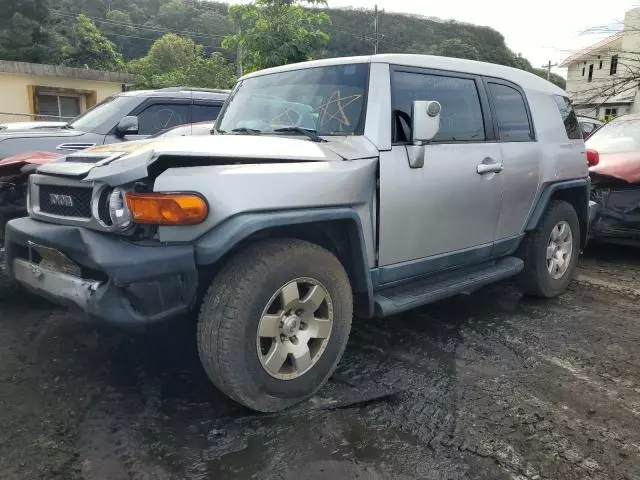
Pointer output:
x,y
370,185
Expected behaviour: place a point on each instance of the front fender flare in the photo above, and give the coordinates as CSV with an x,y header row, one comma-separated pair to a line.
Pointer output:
x,y
215,244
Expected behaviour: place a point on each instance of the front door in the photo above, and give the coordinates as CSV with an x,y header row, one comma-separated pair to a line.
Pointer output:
x,y
444,213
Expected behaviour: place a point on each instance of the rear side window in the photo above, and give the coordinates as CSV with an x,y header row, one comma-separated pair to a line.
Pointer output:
x,y
461,115
569,118
511,113
204,113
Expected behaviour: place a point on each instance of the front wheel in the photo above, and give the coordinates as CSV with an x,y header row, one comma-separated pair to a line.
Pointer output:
x,y
274,323
550,252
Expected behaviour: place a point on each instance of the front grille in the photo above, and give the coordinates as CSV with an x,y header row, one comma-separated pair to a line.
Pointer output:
x,y
65,201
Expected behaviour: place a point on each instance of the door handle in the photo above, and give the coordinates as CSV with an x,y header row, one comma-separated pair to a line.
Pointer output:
x,y
489,165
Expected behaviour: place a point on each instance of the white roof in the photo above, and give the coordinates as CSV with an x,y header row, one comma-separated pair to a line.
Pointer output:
x,y
526,80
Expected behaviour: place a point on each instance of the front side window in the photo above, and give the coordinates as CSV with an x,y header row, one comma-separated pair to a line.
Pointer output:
x,y
326,100
461,117
160,116
511,113
571,124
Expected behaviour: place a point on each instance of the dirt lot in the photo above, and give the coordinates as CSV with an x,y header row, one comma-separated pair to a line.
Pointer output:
x,y
483,386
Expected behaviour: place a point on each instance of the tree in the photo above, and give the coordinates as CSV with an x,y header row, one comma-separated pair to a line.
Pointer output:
x,y
90,48
27,32
276,32
178,61
455,47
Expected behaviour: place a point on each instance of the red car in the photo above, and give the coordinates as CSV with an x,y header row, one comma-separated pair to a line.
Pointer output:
x,y
614,150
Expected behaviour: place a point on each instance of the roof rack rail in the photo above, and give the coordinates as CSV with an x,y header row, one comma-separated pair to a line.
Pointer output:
x,y
193,89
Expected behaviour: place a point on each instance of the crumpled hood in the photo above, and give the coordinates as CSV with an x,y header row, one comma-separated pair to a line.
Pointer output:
x,y
128,161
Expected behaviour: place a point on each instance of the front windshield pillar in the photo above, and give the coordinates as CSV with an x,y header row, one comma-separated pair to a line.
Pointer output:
x,y
378,125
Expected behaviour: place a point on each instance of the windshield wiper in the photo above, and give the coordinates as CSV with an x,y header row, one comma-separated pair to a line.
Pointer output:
x,y
250,131
311,134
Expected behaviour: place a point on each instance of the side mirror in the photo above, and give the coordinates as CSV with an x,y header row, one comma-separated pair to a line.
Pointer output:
x,y
127,126
424,127
426,121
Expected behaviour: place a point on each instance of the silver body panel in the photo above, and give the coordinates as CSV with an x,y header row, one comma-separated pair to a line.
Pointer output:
x,y
454,203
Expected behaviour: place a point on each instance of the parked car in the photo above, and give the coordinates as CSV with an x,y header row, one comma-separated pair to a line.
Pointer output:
x,y
422,177
615,174
126,116
31,125
15,170
589,125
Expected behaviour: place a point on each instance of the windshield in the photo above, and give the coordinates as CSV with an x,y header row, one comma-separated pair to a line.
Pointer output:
x,y
325,100
615,137
97,115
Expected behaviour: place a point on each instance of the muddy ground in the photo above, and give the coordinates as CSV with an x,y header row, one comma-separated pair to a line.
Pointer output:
x,y
490,385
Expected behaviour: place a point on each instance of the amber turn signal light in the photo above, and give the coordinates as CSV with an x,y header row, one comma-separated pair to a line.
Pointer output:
x,y
167,208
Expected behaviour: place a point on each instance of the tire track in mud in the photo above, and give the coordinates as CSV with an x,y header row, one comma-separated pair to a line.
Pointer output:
x,y
483,386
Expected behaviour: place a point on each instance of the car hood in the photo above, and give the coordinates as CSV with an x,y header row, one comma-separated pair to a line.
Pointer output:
x,y
124,162
623,166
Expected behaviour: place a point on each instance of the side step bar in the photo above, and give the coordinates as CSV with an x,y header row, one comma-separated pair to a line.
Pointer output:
x,y
427,290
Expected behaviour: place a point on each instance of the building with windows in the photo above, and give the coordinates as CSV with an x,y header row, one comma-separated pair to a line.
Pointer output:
x,y
602,79
33,91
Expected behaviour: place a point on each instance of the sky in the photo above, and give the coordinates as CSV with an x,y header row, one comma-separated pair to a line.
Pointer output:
x,y
541,30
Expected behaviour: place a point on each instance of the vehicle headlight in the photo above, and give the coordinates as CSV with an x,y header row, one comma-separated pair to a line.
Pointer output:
x,y
111,210
118,210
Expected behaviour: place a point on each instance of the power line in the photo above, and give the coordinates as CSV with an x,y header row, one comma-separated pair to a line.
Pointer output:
x,y
140,26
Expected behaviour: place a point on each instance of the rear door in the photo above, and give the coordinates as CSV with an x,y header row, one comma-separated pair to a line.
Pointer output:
x,y
521,158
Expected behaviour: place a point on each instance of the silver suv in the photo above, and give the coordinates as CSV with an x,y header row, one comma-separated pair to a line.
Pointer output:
x,y
368,185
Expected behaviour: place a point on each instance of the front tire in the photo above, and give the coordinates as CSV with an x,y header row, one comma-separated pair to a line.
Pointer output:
x,y
550,252
274,323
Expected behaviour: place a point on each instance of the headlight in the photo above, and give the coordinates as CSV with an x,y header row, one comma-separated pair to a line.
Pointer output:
x,y
118,209
111,210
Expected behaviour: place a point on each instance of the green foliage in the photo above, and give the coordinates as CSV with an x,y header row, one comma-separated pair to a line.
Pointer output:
x,y
91,49
28,33
269,32
276,32
178,61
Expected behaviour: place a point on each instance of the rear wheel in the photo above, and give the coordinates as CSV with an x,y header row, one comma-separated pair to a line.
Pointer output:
x,y
551,251
275,323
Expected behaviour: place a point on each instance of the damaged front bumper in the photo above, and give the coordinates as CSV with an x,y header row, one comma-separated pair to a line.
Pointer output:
x,y
617,216
120,282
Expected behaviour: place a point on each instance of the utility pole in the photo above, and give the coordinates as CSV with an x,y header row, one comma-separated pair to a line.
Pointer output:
x,y
375,27
548,67
239,56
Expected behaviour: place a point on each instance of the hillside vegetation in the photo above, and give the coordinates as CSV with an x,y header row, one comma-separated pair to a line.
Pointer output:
x,y
47,31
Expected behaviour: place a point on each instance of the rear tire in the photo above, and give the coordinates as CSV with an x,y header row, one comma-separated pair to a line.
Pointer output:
x,y
550,252
250,318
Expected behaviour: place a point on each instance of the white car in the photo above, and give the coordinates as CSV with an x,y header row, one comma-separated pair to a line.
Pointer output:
x,y
588,125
